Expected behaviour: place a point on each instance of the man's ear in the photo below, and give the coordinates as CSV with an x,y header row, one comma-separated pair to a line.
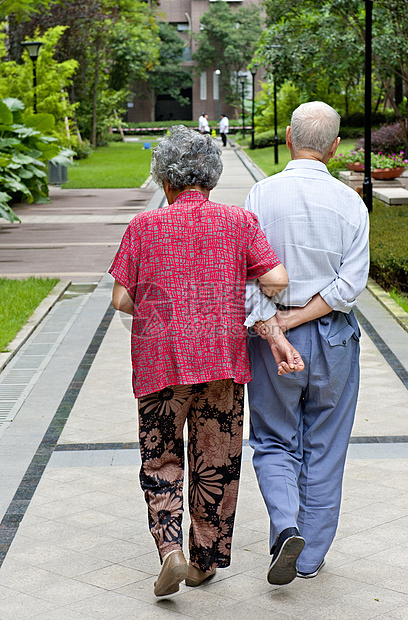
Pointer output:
x,y
288,137
334,147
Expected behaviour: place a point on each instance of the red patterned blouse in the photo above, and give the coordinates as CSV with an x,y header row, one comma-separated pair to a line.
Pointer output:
x,y
185,266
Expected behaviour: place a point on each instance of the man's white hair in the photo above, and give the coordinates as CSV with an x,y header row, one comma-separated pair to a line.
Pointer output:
x,y
314,126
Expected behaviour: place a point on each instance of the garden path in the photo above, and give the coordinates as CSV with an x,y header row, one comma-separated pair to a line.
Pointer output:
x,y
73,535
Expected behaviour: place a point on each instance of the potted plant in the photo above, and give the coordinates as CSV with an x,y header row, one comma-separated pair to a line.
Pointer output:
x,y
382,166
387,166
355,160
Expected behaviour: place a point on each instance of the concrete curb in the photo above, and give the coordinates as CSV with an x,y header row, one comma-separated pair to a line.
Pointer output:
x,y
389,304
253,169
33,322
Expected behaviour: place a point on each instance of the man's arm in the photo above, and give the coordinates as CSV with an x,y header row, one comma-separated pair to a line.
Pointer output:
x,y
121,299
287,359
287,319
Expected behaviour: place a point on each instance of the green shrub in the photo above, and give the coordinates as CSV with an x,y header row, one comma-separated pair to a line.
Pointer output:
x,y
388,241
351,132
53,83
83,150
267,138
24,152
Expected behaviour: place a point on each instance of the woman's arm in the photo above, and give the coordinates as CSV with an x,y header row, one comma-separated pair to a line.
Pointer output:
x,y
121,299
274,281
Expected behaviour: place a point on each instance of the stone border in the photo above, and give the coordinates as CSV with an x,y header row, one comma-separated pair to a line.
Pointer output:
x,y
33,322
389,304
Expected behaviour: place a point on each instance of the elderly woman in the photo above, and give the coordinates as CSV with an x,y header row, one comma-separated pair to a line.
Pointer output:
x,y
181,272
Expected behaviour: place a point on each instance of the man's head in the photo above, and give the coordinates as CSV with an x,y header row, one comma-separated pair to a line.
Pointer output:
x,y
313,131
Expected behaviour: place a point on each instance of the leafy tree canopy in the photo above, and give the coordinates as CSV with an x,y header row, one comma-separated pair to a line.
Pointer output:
x,y
22,9
311,42
169,77
228,40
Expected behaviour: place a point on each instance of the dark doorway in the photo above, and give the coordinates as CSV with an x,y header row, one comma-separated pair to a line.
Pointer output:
x,y
168,109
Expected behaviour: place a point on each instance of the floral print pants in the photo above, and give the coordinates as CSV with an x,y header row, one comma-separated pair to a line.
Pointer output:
x,y
214,414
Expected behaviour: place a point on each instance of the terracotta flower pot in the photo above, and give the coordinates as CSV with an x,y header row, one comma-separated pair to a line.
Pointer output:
x,y
387,173
356,167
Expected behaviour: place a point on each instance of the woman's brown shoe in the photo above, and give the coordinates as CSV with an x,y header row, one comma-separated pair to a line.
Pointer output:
x,y
195,576
173,571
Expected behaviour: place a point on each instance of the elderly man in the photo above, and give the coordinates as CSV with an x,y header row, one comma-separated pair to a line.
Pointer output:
x,y
301,422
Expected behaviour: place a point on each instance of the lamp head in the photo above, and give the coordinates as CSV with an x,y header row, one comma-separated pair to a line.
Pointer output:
x,y
242,78
33,48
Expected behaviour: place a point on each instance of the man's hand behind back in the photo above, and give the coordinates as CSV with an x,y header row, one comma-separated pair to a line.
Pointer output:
x,y
287,359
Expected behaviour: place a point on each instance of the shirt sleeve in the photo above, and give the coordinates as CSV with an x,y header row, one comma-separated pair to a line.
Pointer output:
x,y
351,279
258,307
260,256
125,264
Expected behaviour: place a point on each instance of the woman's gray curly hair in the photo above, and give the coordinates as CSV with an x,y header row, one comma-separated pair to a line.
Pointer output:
x,y
186,158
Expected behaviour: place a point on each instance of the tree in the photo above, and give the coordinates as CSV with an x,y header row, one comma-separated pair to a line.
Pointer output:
x,y
228,40
54,78
22,9
311,44
319,45
114,43
168,77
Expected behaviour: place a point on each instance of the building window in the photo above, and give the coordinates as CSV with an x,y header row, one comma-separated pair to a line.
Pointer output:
x,y
216,86
203,85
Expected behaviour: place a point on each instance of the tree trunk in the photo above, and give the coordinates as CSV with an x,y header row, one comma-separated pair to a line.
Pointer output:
x,y
119,125
152,105
95,95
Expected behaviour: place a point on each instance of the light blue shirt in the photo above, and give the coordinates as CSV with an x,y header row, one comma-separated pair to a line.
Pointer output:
x,y
318,228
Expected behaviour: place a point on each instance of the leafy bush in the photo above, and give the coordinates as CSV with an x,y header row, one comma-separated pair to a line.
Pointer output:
x,y
83,150
53,80
351,132
267,138
24,151
357,119
388,239
387,139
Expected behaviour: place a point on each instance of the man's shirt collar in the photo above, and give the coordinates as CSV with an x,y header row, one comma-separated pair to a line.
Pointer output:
x,y
308,164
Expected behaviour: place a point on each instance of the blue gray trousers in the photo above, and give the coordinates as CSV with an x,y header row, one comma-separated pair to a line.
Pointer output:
x,y
300,429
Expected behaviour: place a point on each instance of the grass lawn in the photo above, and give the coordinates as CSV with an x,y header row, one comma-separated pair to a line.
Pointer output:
x,y
18,300
265,158
388,246
402,300
120,164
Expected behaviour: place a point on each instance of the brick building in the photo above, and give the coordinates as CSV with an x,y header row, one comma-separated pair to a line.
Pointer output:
x,y
205,95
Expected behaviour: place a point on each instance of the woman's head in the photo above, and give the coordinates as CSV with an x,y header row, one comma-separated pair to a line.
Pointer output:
x,y
186,158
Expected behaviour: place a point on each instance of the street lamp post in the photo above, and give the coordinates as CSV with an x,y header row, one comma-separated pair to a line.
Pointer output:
x,y
275,111
275,114
254,69
33,49
367,184
218,72
242,78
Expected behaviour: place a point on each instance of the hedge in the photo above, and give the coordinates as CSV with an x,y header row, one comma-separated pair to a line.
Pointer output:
x,y
388,242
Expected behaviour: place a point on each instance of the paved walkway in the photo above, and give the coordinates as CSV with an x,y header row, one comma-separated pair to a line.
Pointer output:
x,y
73,536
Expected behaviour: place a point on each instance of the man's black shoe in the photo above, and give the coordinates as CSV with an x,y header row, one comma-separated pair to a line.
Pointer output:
x,y
286,550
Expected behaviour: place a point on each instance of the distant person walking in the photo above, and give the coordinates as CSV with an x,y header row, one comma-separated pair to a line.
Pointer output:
x,y
224,129
203,125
